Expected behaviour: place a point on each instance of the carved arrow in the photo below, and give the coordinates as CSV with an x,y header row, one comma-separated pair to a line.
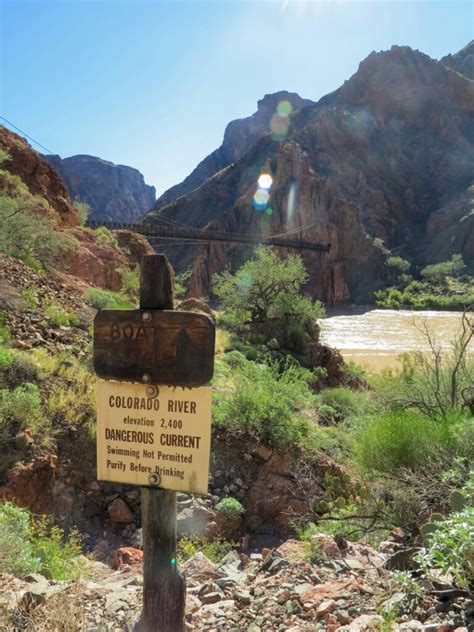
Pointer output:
x,y
183,351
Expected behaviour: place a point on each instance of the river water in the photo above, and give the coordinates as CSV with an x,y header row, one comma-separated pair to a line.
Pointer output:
x,y
374,338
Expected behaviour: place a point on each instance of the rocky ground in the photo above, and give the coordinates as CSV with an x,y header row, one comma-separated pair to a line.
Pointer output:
x,y
351,590
29,325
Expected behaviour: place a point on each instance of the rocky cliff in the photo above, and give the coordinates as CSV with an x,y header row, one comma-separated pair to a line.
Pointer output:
x,y
382,164
24,172
239,136
36,174
113,192
462,62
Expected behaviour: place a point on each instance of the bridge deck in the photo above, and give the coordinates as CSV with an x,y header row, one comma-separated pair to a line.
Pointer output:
x,y
196,234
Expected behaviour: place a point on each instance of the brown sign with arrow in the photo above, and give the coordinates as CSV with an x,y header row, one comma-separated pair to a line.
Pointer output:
x,y
157,346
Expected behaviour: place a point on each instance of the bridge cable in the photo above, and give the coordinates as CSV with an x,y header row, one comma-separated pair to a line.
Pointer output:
x,y
27,136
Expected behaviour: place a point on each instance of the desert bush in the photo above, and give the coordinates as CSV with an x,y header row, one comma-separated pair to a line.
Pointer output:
x,y
6,357
214,550
20,370
19,409
451,549
30,296
342,403
101,299
230,507
60,317
83,211
130,282
265,403
31,236
407,439
97,298
29,543
402,265
105,237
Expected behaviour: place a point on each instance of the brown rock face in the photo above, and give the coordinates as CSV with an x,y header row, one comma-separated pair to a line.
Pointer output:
x,y
40,178
389,155
114,192
31,485
101,265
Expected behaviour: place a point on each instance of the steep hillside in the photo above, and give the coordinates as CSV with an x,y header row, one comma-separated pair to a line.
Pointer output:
x,y
462,62
40,224
388,157
113,192
36,174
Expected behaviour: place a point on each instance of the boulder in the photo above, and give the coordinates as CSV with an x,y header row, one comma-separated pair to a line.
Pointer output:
x,y
199,567
126,555
119,511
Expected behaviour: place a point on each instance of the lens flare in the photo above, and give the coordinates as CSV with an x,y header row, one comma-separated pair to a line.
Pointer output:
x,y
291,201
265,181
244,281
173,561
269,211
279,126
284,109
260,199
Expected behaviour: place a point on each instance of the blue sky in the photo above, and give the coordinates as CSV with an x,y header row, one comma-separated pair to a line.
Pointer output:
x,y
152,84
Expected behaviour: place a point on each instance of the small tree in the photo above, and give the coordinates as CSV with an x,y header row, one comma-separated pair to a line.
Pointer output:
x,y
265,295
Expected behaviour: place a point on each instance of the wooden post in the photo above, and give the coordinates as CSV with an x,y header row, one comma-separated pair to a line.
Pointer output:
x,y
164,589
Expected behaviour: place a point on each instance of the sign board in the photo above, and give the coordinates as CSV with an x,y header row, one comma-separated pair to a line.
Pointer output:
x,y
162,440
165,347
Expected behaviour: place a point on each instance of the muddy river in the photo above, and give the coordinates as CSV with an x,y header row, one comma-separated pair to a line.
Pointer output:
x,y
374,338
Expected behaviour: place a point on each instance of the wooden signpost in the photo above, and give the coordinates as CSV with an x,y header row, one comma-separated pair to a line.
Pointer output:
x,y
152,435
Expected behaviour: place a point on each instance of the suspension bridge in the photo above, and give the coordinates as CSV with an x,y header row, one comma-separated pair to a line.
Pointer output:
x,y
160,231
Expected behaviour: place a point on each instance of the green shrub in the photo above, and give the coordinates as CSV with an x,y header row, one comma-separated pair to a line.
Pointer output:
x,y
83,211
438,272
31,236
214,550
406,439
30,544
265,403
400,264
20,409
130,282
105,237
30,296
6,357
97,298
342,403
20,370
4,330
4,156
451,549
101,299
59,317
230,507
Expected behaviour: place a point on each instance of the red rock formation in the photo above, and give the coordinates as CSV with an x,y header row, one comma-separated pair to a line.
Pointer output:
x,y
40,178
31,485
389,155
100,265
